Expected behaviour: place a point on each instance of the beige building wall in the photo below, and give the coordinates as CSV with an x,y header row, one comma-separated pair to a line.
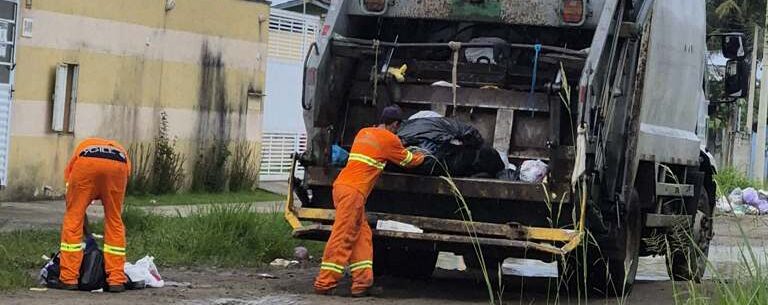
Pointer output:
x,y
202,62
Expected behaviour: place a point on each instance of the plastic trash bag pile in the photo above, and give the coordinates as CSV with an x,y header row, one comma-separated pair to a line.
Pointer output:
x,y
748,201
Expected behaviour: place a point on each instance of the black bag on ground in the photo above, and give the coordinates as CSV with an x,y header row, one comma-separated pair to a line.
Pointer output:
x,y
93,275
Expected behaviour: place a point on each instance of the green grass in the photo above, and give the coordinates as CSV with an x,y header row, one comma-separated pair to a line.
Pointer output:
x,y
20,254
224,236
747,286
202,198
728,179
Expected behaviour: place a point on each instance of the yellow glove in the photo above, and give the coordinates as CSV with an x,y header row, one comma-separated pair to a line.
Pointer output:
x,y
398,73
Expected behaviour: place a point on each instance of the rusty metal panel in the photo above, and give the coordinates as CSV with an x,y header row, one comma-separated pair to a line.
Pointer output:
x,y
530,131
470,97
469,187
321,232
526,12
484,119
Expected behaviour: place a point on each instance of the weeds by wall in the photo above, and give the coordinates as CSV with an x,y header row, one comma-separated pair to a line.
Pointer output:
x,y
168,164
157,168
139,182
211,173
243,173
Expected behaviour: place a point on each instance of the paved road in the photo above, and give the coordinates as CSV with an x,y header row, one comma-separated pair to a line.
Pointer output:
x,y
49,214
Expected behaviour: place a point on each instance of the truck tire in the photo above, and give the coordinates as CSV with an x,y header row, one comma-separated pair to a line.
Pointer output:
x,y
589,270
404,262
687,257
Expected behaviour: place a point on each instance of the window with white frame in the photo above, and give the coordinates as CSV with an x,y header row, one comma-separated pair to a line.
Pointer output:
x,y
65,98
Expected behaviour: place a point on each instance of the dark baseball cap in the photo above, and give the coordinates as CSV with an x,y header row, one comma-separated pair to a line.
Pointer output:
x,y
392,114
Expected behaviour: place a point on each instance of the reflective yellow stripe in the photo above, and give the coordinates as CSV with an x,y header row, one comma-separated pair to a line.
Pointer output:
x,y
361,265
408,158
332,267
367,160
65,247
114,250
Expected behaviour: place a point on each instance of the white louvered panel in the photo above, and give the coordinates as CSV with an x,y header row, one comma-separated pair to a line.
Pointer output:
x,y
285,34
276,150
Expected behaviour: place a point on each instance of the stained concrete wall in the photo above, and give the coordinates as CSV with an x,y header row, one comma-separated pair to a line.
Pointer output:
x,y
197,61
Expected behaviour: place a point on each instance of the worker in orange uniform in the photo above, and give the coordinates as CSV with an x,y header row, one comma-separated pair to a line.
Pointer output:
x,y
98,169
351,241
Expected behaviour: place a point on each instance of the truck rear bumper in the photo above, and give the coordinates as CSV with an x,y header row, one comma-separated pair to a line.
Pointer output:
x,y
439,230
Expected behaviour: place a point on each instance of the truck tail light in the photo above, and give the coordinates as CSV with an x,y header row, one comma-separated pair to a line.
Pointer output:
x,y
573,11
374,6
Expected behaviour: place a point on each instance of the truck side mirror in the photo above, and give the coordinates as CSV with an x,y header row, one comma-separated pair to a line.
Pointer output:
x,y
733,45
736,78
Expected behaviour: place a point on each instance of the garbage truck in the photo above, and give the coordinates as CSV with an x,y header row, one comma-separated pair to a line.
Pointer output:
x,y
607,93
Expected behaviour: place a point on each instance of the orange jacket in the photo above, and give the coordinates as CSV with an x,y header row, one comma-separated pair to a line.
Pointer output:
x,y
93,142
372,149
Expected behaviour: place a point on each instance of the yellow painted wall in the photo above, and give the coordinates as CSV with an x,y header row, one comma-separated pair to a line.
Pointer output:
x,y
228,18
134,81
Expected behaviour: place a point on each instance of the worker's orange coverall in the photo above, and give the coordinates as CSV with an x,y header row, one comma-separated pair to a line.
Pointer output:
x,y
350,243
98,169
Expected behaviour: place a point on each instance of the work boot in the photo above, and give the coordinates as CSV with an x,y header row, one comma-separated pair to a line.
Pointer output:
x,y
116,288
63,286
372,291
328,292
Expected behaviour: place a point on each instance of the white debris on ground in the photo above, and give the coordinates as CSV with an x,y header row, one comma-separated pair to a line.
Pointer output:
x,y
391,225
748,201
279,262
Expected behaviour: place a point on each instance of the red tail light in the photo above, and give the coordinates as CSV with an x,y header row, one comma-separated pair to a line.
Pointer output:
x,y
374,6
573,11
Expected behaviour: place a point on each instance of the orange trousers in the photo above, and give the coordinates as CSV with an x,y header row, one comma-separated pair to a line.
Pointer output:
x,y
350,244
94,178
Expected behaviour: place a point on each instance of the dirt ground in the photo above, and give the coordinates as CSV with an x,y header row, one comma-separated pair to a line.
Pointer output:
x,y
294,286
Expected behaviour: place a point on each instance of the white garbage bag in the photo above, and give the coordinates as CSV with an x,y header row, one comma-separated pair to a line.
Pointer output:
x,y
425,114
723,205
145,270
533,171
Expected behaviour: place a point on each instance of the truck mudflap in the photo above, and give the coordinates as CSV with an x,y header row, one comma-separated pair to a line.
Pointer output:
x,y
545,240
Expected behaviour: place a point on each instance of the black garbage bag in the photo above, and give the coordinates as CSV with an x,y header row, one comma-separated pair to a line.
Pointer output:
x,y
456,145
93,275
433,134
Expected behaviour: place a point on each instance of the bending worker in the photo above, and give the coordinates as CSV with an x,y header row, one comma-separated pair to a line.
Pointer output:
x,y
98,169
351,238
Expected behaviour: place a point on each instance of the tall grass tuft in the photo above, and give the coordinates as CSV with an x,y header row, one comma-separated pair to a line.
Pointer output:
x,y
730,178
227,236
243,173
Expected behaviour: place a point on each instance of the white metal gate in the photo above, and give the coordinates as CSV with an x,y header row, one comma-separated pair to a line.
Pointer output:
x,y
276,150
9,12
